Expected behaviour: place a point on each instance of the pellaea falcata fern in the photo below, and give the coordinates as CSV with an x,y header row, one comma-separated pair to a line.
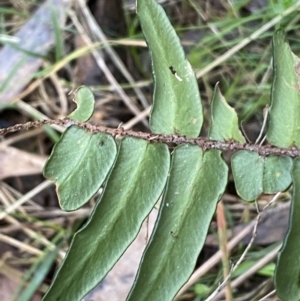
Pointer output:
x,y
138,172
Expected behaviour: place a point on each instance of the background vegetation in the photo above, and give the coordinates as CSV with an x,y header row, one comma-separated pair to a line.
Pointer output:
x,y
225,41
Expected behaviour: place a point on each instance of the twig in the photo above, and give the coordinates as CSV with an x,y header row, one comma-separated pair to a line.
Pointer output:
x,y
20,245
102,65
25,198
109,49
222,285
34,235
137,119
257,266
267,296
222,234
212,261
265,112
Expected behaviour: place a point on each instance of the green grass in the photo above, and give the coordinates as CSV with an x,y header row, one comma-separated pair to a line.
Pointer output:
x,y
207,32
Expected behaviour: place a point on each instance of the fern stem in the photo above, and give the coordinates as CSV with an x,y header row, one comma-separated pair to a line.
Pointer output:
x,y
204,143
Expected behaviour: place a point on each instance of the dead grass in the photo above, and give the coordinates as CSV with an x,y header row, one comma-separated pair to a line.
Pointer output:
x,y
224,42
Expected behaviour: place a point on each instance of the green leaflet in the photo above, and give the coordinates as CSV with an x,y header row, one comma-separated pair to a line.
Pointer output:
x,y
195,185
85,101
79,164
287,273
284,121
277,174
254,174
132,189
176,102
224,121
247,169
